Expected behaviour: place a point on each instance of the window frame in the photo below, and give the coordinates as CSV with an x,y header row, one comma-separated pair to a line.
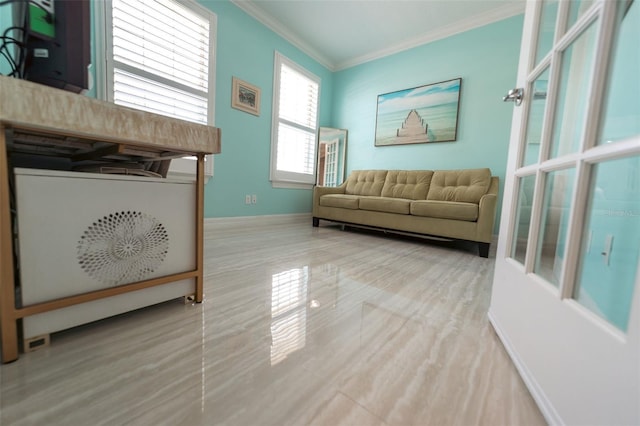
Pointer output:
x,y
104,65
283,179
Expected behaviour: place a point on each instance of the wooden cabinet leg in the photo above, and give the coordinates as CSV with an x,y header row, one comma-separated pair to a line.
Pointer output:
x,y
8,323
9,340
200,229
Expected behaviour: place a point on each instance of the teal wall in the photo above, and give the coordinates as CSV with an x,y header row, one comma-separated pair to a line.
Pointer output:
x,y
487,60
6,20
246,50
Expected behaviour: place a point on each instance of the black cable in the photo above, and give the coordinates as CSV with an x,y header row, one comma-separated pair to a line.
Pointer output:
x,y
16,58
7,41
13,62
17,64
4,50
15,27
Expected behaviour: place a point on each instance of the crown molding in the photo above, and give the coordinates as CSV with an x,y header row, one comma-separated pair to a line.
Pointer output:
x,y
489,17
477,21
281,30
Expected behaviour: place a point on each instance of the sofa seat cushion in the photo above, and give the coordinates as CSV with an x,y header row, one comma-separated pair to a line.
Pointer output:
x,y
340,200
410,184
466,186
365,182
445,210
387,205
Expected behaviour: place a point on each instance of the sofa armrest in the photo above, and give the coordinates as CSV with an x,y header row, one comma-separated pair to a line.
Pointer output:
x,y
487,212
319,191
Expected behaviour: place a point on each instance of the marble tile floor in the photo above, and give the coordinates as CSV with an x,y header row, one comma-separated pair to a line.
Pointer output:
x,y
300,326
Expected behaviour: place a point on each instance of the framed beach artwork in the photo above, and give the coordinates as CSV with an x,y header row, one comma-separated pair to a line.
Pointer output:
x,y
245,97
422,114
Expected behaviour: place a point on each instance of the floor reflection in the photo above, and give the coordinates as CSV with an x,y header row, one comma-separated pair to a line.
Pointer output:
x,y
288,312
300,326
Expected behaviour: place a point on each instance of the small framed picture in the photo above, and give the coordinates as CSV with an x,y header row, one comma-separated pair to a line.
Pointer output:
x,y
245,97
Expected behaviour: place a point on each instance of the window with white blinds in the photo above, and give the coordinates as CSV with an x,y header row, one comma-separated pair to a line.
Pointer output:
x,y
160,58
295,123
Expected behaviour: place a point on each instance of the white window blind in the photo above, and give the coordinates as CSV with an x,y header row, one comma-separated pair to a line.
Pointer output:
x,y
161,58
295,122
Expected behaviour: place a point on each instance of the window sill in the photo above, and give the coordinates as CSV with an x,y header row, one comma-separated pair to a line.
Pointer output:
x,y
291,185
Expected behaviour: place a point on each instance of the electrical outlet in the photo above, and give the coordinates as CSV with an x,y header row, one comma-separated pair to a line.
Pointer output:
x,y
254,199
247,199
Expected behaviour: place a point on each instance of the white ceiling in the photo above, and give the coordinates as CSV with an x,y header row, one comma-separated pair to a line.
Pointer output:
x,y
343,33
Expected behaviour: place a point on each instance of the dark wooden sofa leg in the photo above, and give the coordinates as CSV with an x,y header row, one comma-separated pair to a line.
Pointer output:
x,y
316,222
483,249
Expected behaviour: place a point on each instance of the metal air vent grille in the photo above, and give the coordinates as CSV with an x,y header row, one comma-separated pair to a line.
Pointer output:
x,y
123,247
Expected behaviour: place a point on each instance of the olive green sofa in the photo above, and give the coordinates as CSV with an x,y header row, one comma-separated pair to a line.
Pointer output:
x,y
450,204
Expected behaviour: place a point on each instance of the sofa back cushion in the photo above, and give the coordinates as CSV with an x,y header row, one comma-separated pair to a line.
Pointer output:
x,y
410,184
466,186
365,182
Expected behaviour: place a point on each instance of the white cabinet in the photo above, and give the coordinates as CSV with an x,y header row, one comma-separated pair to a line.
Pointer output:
x,y
82,232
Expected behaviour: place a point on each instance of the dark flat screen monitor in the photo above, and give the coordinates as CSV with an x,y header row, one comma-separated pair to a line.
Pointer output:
x,y
61,59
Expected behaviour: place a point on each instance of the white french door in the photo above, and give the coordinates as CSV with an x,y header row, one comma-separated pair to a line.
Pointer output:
x,y
566,291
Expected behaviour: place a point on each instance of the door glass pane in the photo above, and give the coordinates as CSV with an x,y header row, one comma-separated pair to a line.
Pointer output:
x,y
534,122
611,241
622,113
523,218
577,9
555,222
546,29
573,93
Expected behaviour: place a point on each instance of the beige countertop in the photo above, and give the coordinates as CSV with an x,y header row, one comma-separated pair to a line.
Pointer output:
x,y
34,108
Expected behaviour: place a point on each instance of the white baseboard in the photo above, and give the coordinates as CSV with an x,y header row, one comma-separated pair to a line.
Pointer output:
x,y
264,220
544,404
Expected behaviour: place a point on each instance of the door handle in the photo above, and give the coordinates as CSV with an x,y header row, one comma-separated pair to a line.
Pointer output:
x,y
514,95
